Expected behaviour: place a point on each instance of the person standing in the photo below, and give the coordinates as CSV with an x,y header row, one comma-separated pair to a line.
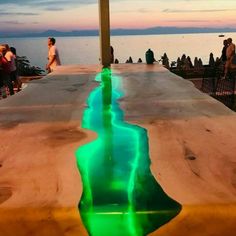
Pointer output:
x,y
112,54
5,70
223,53
2,85
149,56
53,55
230,52
11,57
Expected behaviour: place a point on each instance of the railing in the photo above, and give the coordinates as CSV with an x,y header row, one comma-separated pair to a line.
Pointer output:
x,y
221,89
188,73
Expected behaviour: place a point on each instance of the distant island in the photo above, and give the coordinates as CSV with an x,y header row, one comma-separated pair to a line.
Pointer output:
x,y
116,32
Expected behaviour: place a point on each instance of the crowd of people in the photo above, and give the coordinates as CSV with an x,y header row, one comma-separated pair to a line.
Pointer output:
x,y
228,56
226,61
8,71
9,78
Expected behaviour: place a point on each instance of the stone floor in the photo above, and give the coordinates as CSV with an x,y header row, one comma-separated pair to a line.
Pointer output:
x,y
191,140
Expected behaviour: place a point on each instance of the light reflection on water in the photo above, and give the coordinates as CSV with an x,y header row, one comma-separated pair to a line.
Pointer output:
x,y
120,195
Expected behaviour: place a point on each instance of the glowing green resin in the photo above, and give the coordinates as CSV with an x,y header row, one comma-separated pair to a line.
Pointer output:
x,y
120,195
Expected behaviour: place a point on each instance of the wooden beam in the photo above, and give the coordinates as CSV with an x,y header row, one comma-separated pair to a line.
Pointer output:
x,y
104,16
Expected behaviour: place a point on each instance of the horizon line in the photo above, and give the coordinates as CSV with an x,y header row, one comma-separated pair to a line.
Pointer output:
x,y
118,28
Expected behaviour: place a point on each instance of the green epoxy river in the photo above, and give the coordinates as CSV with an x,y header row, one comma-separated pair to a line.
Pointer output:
x,y
120,195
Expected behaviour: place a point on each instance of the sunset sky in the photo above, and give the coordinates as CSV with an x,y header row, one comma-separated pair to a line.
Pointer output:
x,y
66,15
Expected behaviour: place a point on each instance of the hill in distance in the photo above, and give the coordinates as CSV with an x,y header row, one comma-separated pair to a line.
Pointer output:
x,y
116,32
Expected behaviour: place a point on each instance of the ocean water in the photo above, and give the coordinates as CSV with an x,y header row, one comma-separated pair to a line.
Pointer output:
x,y
85,50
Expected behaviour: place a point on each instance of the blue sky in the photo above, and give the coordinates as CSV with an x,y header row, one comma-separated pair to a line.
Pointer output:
x,y
66,15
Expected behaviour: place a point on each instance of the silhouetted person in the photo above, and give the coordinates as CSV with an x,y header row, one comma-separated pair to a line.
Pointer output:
x,y
196,65
140,60
200,64
165,61
149,56
211,60
223,53
178,63
230,51
190,62
130,60
112,54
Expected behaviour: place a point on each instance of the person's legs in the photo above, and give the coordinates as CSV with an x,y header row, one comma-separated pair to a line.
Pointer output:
x,y
3,92
7,81
15,79
19,84
2,89
226,69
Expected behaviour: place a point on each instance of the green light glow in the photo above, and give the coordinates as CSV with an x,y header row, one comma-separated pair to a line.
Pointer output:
x,y
120,195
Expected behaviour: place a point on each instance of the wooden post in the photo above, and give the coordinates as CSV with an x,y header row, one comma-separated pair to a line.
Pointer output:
x,y
104,16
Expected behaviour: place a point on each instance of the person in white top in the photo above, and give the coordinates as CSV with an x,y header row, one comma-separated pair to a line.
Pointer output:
x,y
53,55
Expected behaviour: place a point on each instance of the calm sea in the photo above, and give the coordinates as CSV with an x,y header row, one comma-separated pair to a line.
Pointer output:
x,y
85,50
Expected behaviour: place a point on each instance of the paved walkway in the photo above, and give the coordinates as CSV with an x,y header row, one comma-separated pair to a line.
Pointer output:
x,y
191,139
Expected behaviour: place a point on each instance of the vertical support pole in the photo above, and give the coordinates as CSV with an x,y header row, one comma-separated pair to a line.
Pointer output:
x,y
104,16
